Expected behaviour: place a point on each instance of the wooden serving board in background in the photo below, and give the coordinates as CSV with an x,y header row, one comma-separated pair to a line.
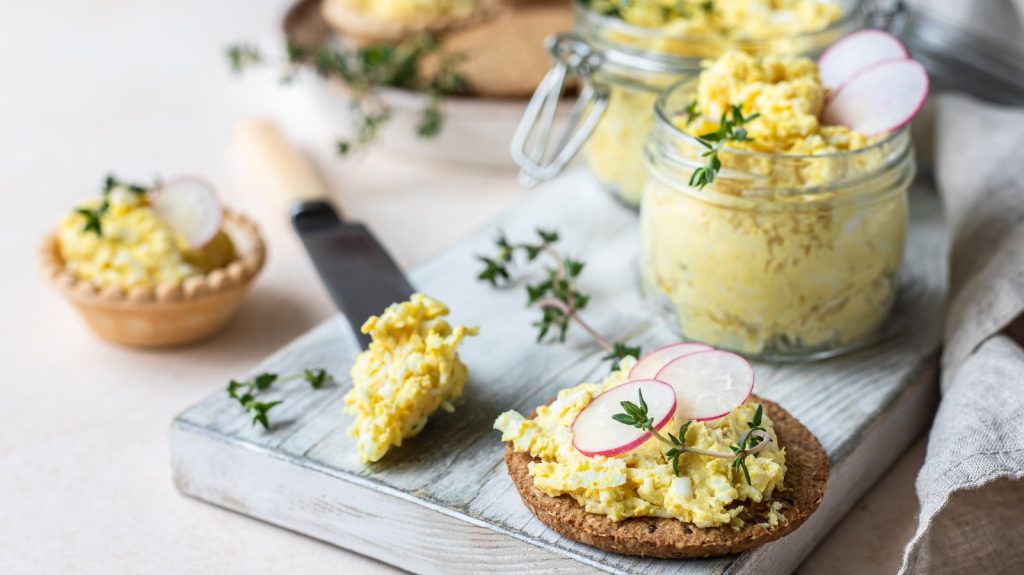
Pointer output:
x,y
443,501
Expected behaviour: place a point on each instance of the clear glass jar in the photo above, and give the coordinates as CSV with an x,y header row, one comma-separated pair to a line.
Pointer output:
x,y
782,257
624,69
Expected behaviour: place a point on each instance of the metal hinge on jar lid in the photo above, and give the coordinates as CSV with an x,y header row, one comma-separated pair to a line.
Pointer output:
x,y
888,15
574,58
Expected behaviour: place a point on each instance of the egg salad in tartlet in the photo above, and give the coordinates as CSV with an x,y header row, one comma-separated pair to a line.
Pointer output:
x,y
154,266
693,466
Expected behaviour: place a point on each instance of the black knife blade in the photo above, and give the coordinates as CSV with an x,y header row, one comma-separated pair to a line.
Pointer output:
x,y
360,275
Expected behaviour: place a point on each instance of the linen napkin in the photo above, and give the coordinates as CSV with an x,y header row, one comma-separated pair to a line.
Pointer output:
x,y
971,486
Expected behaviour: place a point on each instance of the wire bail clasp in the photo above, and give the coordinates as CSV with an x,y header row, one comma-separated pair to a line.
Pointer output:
x,y
888,15
573,58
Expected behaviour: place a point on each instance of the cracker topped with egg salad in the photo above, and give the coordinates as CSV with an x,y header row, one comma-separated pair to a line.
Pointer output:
x,y
671,456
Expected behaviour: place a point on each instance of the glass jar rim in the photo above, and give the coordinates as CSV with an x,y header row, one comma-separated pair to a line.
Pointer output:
x,y
659,61
662,116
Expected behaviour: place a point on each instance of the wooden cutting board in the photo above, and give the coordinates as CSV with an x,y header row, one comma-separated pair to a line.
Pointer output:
x,y
443,503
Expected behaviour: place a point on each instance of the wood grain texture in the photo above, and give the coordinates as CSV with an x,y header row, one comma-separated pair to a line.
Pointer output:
x,y
443,502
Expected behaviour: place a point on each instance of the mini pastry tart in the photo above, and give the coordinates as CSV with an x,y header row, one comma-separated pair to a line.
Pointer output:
x,y
169,313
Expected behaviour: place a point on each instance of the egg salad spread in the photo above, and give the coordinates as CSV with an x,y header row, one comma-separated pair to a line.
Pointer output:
x,y
687,32
412,10
131,246
787,94
730,18
410,369
641,483
794,249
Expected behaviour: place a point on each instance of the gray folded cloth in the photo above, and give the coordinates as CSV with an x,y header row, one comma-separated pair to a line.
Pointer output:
x,y
971,486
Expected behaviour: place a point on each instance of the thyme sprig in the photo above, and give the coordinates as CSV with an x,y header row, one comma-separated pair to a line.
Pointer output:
x,y
618,8
730,129
557,295
94,216
247,392
363,69
692,111
636,415
741,450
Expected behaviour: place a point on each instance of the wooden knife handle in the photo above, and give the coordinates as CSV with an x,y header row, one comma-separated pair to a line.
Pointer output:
x,y
279,168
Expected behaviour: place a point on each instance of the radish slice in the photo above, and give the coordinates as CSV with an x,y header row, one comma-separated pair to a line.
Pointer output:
x,y
650,364
708,384
594,432
190,207
857,52
879,99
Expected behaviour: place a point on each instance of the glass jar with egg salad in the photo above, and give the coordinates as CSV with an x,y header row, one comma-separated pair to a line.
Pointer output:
x,y
793,250
627,54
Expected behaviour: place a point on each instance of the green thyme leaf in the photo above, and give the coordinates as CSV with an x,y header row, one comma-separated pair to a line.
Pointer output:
x,y
756,422
246,392
315,377
92,219
430,120
418,64
548,236
635,414
242,56
573,267
624,418
692,112
264,380
259,412
620,351
729,130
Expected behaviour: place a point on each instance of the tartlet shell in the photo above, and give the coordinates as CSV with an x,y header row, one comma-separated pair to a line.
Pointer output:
x,y
167,314
806,476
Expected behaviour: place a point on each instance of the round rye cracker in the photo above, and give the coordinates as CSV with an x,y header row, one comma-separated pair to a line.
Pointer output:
x,y
806,474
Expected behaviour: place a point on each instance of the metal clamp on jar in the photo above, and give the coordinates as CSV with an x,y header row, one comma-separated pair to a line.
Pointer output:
x,y
623,69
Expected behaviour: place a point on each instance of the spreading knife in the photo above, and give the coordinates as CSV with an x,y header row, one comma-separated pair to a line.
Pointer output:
x,y
358,272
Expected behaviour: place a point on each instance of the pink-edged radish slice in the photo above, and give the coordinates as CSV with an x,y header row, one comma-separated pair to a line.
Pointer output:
x,y
857,52
708,384
594,432
649,365
190,207
880,99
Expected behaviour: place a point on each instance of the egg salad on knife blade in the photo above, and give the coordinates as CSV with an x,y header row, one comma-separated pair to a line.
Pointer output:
x,y
410,370
670,456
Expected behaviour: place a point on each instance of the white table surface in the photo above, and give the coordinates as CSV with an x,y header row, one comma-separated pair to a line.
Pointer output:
x,y
139,88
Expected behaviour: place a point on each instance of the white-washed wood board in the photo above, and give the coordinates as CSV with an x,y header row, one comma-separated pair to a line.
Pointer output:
x,y
443,503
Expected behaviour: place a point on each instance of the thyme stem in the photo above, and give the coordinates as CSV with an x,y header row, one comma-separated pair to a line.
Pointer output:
x,y
569,312
558,296
764,442
636,415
